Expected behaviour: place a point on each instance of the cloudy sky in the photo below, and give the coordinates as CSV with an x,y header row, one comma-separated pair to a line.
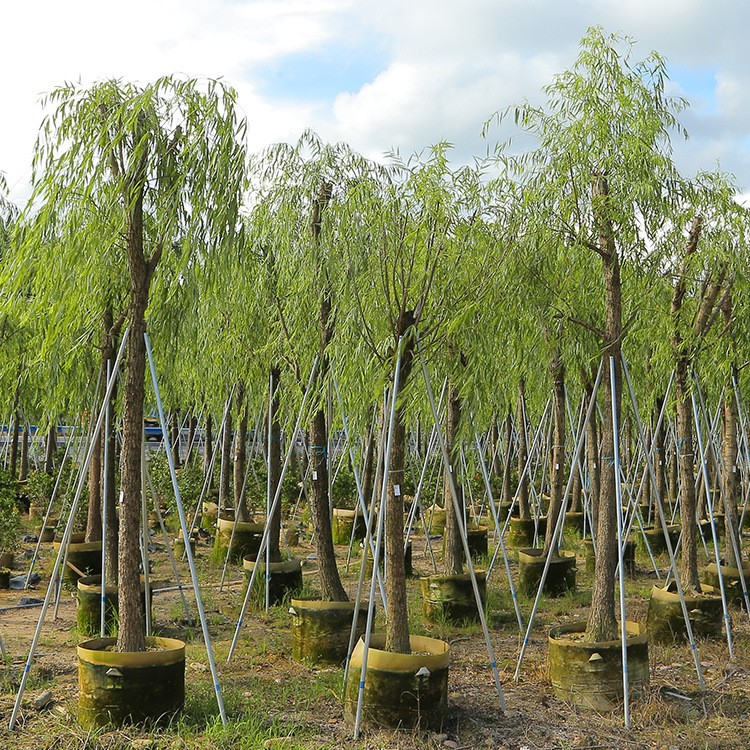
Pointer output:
x,y
379,74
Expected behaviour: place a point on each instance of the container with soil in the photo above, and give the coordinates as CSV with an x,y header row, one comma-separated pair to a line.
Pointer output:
x,y
561,574
321,629
117,688
245,541
435,520
88,611
731,579
451,597
347,524
83,559
406,691
665,623
284,578
656,541
589,674
521,531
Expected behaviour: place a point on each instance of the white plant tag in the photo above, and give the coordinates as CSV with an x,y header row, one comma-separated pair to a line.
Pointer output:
x,y
396,489
315,475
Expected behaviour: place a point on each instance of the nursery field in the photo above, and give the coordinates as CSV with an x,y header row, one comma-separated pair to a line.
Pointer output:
x,y
273,701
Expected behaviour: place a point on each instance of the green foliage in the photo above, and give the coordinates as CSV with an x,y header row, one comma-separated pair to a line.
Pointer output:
x,y
39,486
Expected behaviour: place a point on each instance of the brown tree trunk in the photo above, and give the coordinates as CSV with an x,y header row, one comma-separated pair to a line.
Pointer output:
x,y
24,472
131,635
94,517
397,627
602,622
274,466
208,450
240,456
524,509
331,588
592,458
506,494
454,555
50,449
225,470
557,468
660,457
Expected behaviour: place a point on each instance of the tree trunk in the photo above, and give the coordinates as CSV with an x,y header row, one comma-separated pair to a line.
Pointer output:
x,y
94,518
523,453
131,635
174,438
50,449
689,554
331,587
239,457
557,469
593,463
602,622
731,484
660,457
453,560
274,466
24,472
397,626
13,458
208,450
506,494
192,427
225,470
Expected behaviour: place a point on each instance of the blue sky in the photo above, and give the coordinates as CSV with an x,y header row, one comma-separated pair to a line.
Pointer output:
x,y
390,74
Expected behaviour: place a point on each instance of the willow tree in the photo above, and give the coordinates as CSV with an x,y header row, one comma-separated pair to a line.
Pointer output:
x,y
396,250
151,175
600,178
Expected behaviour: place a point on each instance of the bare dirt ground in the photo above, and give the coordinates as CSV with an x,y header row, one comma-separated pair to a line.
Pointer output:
x,y
273,701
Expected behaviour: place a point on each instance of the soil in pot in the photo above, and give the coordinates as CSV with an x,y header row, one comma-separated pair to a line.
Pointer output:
x,y
452,597
285,578
117,688
406,691
665,623
561,575
589,674
321,629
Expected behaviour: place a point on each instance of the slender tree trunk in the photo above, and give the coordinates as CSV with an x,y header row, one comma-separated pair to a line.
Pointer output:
x,y
557,469
208,450
592,458
50,449
524,509
13,457
660,456
506,494
602,622
454,556
730,418
397,626
94,517
24,472
225,470
368,473
331,587
274,466
240,456
131,635
109,492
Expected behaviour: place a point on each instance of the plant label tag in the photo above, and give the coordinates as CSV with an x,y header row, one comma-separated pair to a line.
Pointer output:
x,y
315,476
396,489
122,497
557,467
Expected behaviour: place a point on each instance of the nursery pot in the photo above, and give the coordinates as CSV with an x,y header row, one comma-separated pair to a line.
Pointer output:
x,y
116,688
284,578
731,578
665,622
400,690
656,539
246,539
589,674
209,515
89,601
343,522
452,597
82,556
435,520
561,574
320,629
46,533
521,531
7,560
